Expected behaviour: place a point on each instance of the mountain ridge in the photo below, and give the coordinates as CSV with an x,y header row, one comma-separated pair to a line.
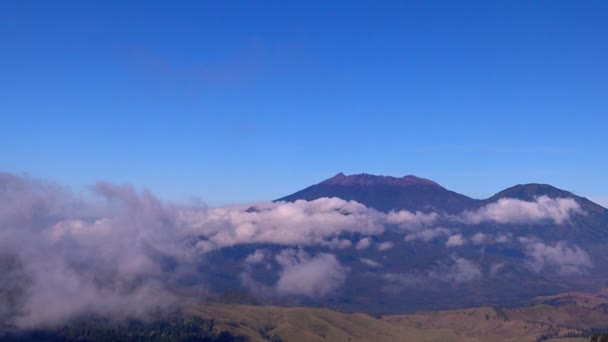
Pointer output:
x,y
370,179
415,193
385,193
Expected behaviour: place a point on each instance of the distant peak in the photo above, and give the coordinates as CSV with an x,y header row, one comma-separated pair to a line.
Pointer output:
x,y
529,192
367,179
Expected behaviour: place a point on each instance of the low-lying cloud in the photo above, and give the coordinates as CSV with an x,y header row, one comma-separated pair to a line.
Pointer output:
x,y
509,210
364,243
457,270
371,263
565,259
318,222
300,274
122,252
256,257
460,271
427,235
408,221
384,246
71,264
455,240
310,276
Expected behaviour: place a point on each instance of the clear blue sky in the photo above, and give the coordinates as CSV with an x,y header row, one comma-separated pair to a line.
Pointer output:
x,y
237,101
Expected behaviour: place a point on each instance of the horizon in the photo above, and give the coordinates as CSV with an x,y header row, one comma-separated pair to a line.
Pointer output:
x,y
240,102
88,191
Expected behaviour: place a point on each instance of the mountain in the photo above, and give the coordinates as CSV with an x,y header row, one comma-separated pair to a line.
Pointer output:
x,y
414,193
528,192
387,193
549,241
590,225
526,241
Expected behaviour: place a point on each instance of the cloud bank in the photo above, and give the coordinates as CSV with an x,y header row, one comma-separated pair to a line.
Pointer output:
x,y
318,222
300,274
124,253
310,276
455,240
457,270
120,265
565,259
509,210
427,235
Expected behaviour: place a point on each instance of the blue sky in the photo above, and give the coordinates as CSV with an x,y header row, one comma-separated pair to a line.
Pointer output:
x,y
233,101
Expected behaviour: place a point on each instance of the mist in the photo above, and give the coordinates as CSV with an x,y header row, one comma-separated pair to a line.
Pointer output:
x,y
120,252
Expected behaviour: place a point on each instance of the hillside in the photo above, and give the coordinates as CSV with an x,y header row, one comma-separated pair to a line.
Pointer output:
x,y
386,193
565,315
414,193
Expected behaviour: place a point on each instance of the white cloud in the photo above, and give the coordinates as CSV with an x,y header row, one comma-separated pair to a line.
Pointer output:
x,y
77,266
411,221
495,268
399,281
482,238
455,241
256,257
336,243
461,271
427,235
502,238
479,238
139,245
371,263
318,222
385,246
309,276
509,210
364,243
298,223
564,259
119,252
458,271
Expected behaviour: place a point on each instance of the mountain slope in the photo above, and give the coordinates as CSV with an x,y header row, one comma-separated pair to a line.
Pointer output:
x,y
590,224
413,193
541,239
528,192
567,314
573,315
388,193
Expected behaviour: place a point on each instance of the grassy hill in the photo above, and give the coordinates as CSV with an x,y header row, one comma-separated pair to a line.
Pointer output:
x,y
567,317
313,324
564,317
